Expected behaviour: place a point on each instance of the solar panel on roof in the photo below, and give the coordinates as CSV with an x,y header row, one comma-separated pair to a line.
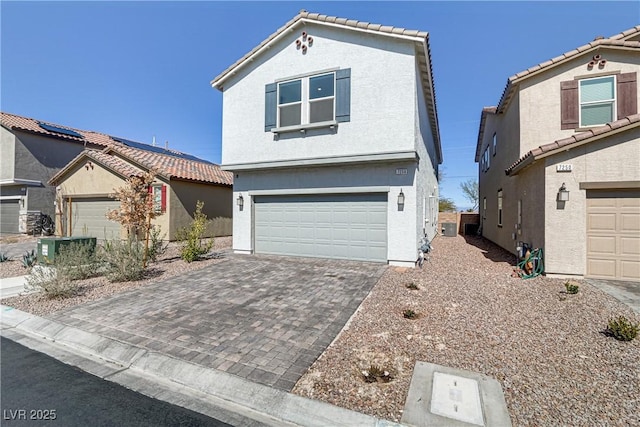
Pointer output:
x,y
57,129
159,150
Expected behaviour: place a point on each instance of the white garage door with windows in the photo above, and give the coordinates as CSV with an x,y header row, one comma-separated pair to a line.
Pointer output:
x,y
613,234
344,226
88,218
9,211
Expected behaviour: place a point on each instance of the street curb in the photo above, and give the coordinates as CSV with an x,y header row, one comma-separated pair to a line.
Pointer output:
x,y
130,366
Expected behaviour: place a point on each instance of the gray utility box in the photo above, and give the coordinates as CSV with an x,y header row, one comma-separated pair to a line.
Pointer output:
x,y
449,229
49,247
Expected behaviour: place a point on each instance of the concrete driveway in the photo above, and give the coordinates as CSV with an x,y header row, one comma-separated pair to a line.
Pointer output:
x,y
627,292
263,318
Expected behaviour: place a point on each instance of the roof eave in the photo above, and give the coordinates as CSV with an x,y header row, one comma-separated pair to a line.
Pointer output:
x,y
266,44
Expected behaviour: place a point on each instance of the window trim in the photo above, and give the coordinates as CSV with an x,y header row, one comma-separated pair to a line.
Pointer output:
x,y
305,103
494,143
613,101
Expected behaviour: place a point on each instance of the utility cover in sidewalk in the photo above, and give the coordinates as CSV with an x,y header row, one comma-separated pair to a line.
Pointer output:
x,y
456,397
439,396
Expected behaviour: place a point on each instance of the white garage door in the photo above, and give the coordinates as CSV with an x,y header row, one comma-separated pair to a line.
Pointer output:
x,y
349,226
88,218
613,234
9,210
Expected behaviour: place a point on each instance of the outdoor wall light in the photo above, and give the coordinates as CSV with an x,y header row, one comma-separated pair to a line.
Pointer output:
x,y
563,193
401,198
240,201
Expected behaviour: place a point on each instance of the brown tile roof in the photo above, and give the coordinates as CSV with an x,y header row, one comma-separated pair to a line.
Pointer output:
x,y
483,119
618,41
423,55
581,138
172,167
168,166
15,122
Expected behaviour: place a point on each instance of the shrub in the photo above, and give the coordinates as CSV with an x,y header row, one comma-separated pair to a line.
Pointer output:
x,y
4,257
123,259
412,286
77,261
376,373
191,237
622,329
157,245
409,314
53,282
29,259
571,288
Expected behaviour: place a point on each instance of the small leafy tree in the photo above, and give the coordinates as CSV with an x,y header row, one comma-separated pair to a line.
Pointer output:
x,y
136,208
470,191
193,246
446,205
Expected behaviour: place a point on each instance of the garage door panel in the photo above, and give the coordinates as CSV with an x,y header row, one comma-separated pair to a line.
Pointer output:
x,y
630,270
630,246
89,217
605,268
601,244
630,222
613,216
602,222
349,226
9,216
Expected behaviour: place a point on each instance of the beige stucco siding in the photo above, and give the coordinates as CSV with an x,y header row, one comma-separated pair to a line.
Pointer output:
x,y
506,127
82,181
540,95
182,199
612,160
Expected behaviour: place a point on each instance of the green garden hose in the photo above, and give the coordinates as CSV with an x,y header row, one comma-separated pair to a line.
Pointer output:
x,y
536,258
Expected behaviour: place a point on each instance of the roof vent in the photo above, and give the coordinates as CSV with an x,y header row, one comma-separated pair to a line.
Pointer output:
x,y
598,38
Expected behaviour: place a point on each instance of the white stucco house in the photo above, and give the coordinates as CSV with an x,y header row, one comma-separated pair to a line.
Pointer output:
x,y
331,131
559,161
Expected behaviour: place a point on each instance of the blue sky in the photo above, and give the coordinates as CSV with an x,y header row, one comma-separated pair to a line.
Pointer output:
x,y
142,69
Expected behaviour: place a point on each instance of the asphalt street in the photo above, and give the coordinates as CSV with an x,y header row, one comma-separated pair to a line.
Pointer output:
x,y
37,390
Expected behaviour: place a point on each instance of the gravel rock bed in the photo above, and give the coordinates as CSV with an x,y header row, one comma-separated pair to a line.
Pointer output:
x,y
96,288
544,346
12,268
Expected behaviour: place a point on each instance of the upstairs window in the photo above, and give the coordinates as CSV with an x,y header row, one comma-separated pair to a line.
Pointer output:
x,y
597,101
494,144
306,101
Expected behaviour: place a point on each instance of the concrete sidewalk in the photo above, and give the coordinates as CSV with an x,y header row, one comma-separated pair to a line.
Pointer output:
x,y
192,386
12,286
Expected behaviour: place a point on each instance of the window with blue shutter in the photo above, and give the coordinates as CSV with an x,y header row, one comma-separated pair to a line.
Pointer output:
x,y
315,99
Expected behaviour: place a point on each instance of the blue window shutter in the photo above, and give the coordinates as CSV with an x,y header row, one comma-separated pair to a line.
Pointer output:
x,y
270,106
343,95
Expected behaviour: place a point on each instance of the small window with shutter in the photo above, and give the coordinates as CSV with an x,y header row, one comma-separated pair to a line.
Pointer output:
x,y
597,101
320,98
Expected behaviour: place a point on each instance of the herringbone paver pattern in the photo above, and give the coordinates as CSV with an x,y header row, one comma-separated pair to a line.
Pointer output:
x,y
264,318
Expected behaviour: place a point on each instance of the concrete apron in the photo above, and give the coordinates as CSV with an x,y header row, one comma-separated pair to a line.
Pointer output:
x,y
207,391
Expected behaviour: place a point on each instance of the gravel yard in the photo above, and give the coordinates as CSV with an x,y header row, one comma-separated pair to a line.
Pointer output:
x,y
169,265
544,346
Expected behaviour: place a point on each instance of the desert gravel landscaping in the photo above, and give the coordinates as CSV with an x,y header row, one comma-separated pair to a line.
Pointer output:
x,y
544,346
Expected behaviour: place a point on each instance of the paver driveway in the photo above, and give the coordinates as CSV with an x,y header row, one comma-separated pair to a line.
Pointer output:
x,y
264,318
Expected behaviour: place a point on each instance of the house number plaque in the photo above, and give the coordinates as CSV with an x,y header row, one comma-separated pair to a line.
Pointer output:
x,y
401,171
563,168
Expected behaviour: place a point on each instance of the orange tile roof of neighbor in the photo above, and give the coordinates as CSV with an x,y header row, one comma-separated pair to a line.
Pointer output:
x,y
131,161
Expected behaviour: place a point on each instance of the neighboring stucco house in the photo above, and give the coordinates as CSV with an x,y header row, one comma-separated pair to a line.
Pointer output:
x,y
85,185
330,128
31,152
559,161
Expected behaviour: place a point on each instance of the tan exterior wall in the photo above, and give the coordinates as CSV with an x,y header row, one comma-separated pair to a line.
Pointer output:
x,y
506,127
459,218
218,206
530,192
614,159
96,181
540,95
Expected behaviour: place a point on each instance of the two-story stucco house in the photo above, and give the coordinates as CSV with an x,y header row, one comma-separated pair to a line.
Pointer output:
x,y
559,161
331,131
